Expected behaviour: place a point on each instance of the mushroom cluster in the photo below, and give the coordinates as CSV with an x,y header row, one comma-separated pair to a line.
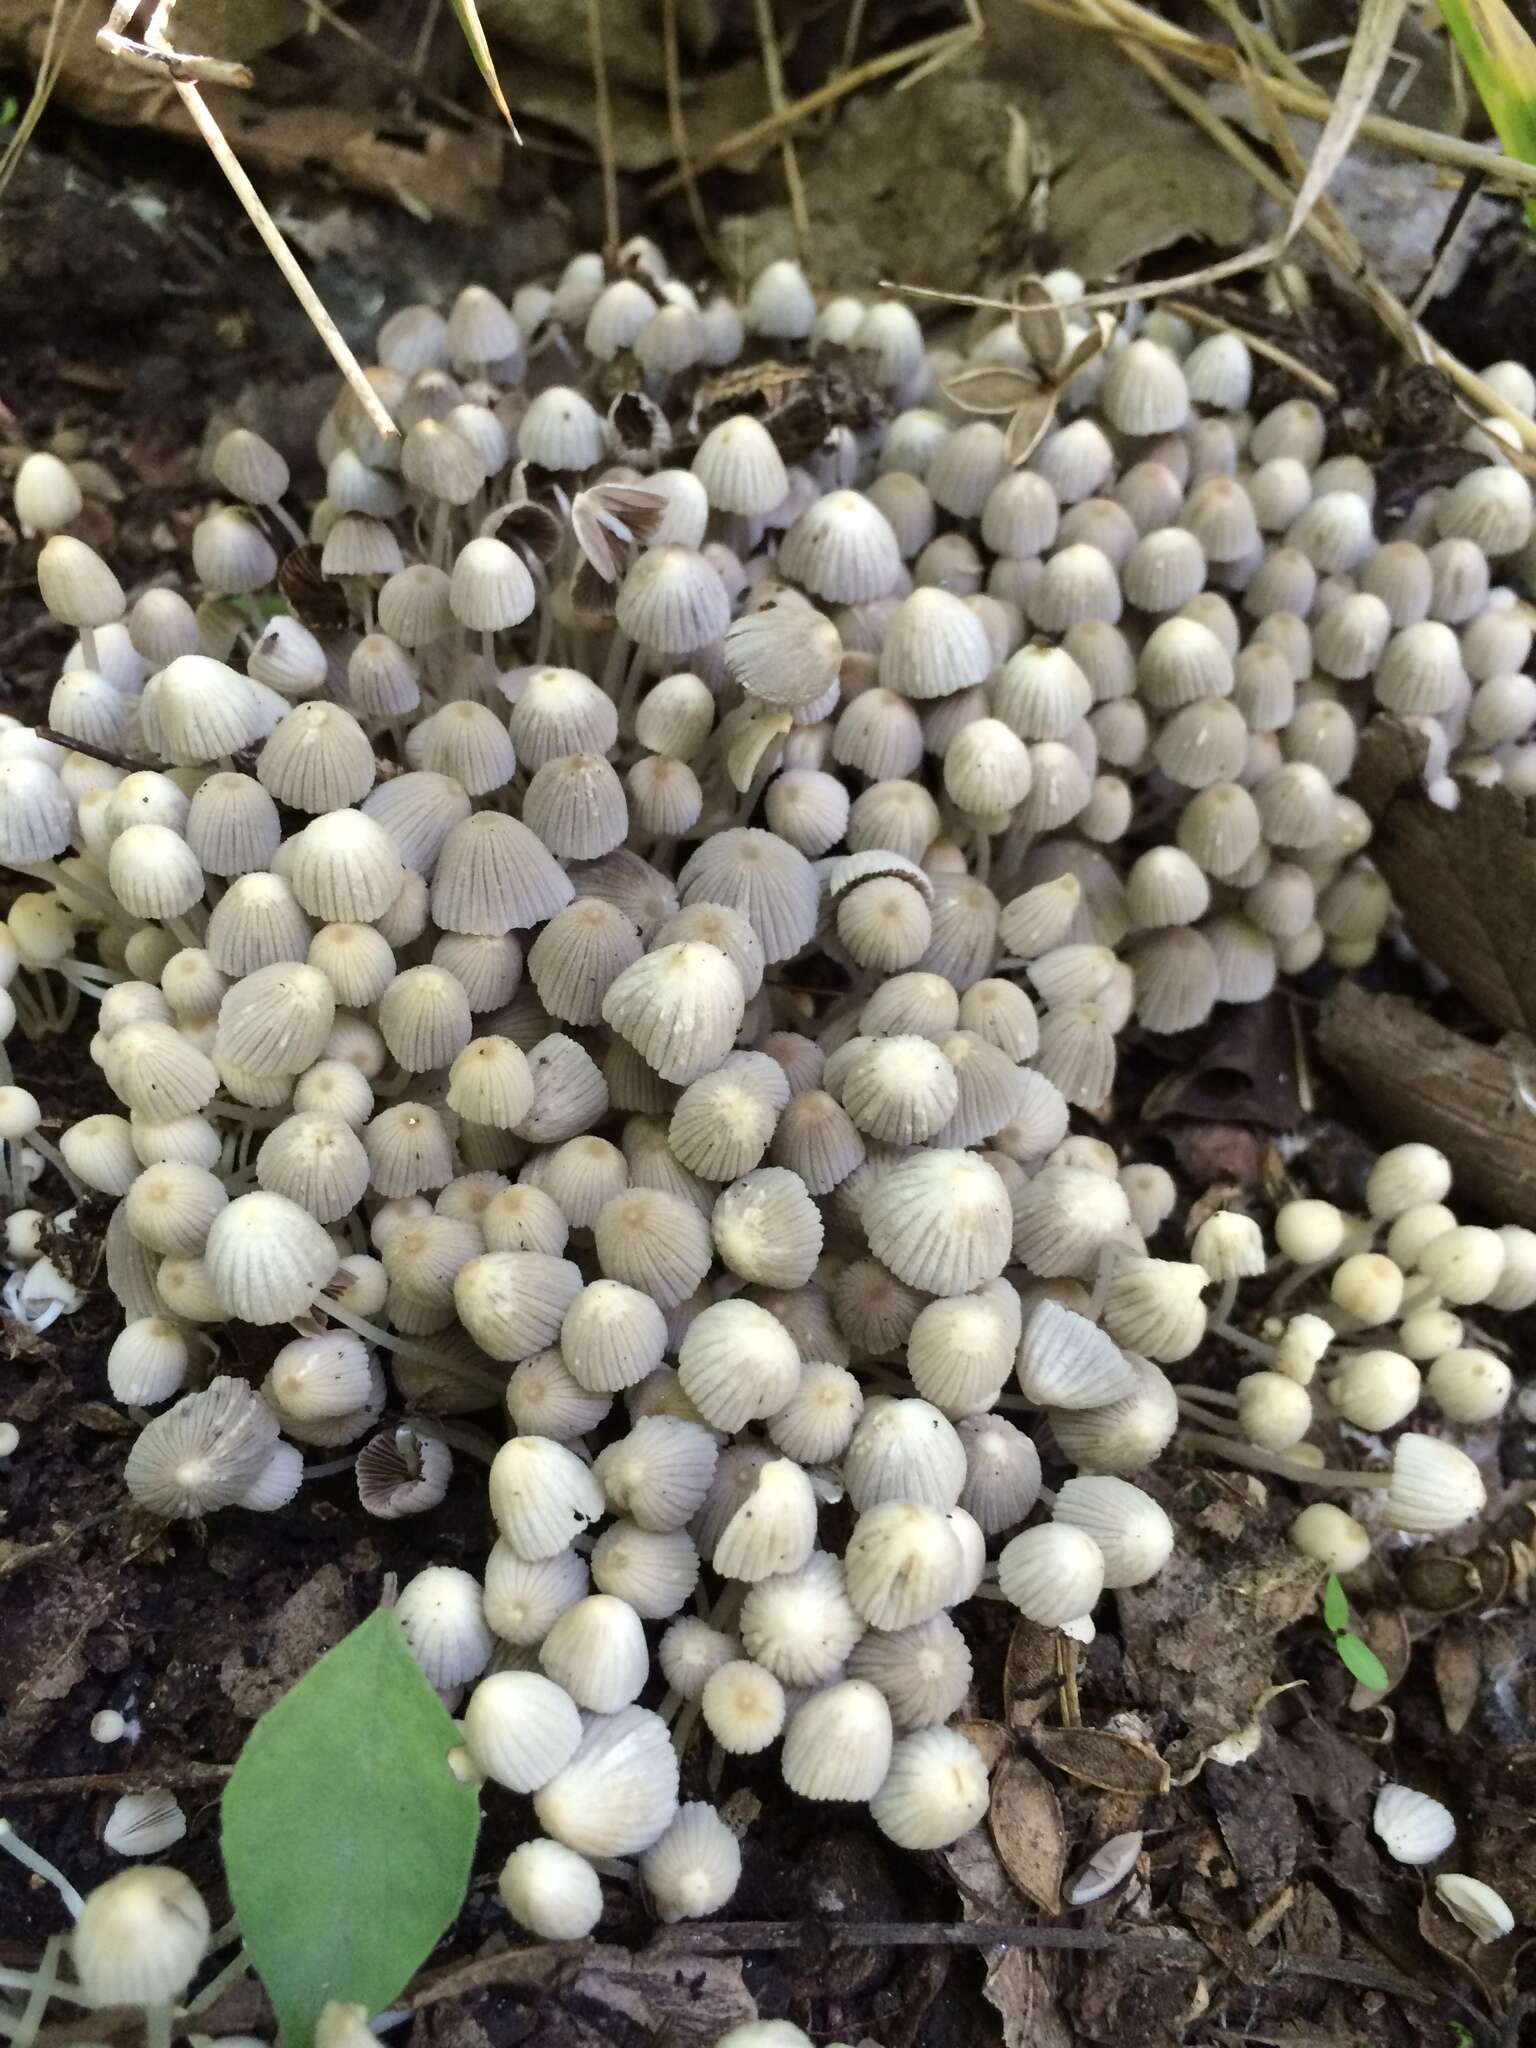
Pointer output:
x,y
614,921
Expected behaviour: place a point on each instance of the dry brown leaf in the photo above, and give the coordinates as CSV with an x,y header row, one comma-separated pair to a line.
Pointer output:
x,y
989,1739
1464,880
1413,1078
1021,1983
1458,1677
443,171
1031,1685
991,388
683,1999
1440,1583
1385,1631
718,107
1025,1819
1109,1761
1375,34
1029,426
632,48
1042,325
1491,1966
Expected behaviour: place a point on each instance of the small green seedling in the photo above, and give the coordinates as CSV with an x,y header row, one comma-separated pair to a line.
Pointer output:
x,y
347,1837
1361,1663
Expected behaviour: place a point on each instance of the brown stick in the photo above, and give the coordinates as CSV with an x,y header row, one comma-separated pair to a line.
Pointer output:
x,y
824,96
605,148
539,1962
678,124
187,1777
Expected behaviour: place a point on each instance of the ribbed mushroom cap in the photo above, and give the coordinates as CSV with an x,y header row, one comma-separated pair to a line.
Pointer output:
x,y
767,1228
672,600
740,467
576,805
318,759
695,1867
1052,1573
842,549
612,1336
838,1743
900,1090
140,1938
197,709
737,1363
941,1221
936,645
904,1450
560,711
961,1349
203,1453
493,875
655,1241
618,1793
523,1597
76,584
277,1020
513,1303
679,1007
267,1258
903,1564
935,1790
1133,1533
47,495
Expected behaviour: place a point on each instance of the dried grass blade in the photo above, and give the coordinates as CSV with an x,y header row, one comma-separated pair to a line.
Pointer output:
x,y
474,34
1368,54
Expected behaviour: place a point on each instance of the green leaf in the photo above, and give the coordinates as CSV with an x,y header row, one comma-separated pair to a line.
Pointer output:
x,y
485,63
1362,1663
1501,62
1335,1605
347,1838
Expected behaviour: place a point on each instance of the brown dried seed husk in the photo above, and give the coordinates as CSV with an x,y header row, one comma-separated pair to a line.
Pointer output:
x,y
1027,1831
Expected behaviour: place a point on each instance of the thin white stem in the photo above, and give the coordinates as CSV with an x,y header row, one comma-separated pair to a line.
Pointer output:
x,y
1331,1477
289,524
44,1986
12,1843
1240,1340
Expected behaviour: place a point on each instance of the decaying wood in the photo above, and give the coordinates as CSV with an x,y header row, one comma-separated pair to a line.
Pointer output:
x,y
1415,1079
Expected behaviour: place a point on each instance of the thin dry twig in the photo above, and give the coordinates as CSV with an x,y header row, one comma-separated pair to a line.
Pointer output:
x,y
157,37
1323,225
826,95
773,74
1130,25
540,1963
50,65
399,68
604,112
1372,45
1471,185
677,122
187,1777
1117,295
1223,323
